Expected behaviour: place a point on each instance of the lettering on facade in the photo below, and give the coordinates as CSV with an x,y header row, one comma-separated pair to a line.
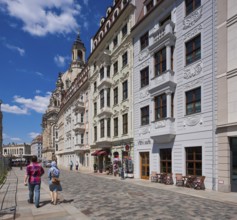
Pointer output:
x,y
144,142
190,20
193,71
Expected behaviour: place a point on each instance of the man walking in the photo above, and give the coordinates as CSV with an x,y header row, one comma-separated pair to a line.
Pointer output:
x,y
34,171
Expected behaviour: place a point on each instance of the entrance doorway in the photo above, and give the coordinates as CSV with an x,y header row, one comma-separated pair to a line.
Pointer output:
x,y
144,165
233,167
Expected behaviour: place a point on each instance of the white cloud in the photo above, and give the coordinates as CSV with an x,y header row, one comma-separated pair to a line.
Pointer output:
x,y
60,60
37,91
33,134
42,17
18,49
14,109
38,104
39,74
15,139
86,25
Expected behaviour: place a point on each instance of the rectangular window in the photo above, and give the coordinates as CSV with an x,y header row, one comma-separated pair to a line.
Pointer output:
x,y
172,105
166,160
87,138
125,90
191,5
116,96
124,30
108,97
95,109
193,101
102,73
82,117
125,123
144,41
115,127
108,71
168,18
108,127
160,107
194,161
102,99
95,86
115,67
95,133
125,58
144,77
193,50
115,41
160,62
82,138
145,115
102,128
86,115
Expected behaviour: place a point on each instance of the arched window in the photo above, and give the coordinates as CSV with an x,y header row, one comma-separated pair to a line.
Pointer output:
x,y
79,55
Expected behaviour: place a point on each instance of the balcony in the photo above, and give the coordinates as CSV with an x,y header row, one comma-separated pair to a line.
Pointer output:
x,y
105,141
79,126
106,111
163,131
165,80
79,105
105,82
162,35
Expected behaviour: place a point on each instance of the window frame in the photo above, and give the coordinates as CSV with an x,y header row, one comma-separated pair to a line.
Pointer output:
x,y
146,110
194,5
144,41
162,109
102,128
125,59
116,127
108,127
95,109
115,67
160,64
194,101
144,77
124,30
196,52
116,96
102,99
125,123
193,152
125,90
95,133
102,73
165,160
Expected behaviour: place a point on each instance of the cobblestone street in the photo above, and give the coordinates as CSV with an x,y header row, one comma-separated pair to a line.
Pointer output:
x,y
111,198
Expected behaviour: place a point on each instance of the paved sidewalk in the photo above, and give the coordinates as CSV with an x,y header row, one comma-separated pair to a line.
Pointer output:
x,y
26,211
206,194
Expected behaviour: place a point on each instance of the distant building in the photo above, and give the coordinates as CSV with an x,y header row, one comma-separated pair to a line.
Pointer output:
x,y
36,147
16,150
0,128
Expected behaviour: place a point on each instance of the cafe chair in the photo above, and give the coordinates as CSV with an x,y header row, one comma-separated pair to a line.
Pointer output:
x,y
154,177
169,179
198,183
179,179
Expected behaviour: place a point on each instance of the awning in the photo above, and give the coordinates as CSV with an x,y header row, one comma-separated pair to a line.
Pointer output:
x,y
95,153
102,152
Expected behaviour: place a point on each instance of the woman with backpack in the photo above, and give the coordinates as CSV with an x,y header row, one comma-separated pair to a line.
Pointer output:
x,y
54,182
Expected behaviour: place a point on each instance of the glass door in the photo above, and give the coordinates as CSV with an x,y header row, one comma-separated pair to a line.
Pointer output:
x,y
145,165
233,168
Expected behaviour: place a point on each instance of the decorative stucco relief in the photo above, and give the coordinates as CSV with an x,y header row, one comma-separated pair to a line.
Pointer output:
x,y
193,71
193,120
144,54
160,124
191,19
193,32
124,109
115,113
115,83
143,131
124,76
193,84
144,94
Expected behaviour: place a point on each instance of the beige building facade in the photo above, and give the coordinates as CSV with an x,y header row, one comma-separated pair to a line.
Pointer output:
x,y
111,85
227,95
1,130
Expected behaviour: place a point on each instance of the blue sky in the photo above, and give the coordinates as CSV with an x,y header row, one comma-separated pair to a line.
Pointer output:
x,y
36,37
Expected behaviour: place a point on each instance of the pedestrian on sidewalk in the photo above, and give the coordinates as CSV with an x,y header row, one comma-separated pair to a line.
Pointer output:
x,y
77,165
34,171
71,165
54,187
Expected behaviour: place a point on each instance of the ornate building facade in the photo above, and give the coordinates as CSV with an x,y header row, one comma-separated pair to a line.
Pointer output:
x,y
111,84
174,89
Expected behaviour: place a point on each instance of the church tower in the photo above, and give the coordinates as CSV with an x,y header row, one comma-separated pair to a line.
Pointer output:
x,y
1,129
78,53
